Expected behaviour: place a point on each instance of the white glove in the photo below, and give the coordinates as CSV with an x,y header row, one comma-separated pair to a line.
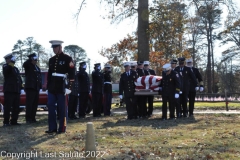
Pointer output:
x,y
78,94
201,89
67,91
13,58
22,91
176,95
180,92
196,88
160,88
47,92
120,96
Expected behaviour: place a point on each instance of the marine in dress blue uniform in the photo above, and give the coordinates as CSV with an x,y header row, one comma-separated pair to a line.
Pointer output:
x,y
12,86
107,102
193,89
127,88
73,99
149,98
58,87
33,84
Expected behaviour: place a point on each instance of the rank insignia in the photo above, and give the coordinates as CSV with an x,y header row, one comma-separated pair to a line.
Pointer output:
x,y
71,65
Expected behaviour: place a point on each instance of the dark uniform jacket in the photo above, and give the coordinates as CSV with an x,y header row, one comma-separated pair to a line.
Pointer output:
x,y
62,64
75,87
141,72
12,79
126,84
83,81
198,77
33,78
170,83
107,78
97,82
185,76
150,72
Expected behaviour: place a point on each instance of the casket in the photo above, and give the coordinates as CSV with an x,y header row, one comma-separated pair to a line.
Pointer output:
x,y
147,85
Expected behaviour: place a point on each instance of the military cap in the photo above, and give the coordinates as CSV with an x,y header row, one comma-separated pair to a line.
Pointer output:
x,y
173,61
10,55
166,67
133,63
126,64
107,65
140,62
181,59
56,43
32,56
82,63
146,63
189,60
97,64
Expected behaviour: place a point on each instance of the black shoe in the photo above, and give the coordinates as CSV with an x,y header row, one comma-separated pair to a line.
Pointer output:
x,y
82,117
6,125
15,124
191,115
51,132
73,118
98,115
60,132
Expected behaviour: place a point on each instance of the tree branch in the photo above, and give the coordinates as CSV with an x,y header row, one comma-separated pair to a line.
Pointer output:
x,y
79,10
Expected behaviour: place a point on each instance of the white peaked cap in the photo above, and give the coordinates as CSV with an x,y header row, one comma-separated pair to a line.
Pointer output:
x,y
146,63
133,63
56,42
107,65
167,66
189,60
126,64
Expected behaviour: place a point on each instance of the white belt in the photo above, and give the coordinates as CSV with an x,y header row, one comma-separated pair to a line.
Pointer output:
x,y
59,75
107,83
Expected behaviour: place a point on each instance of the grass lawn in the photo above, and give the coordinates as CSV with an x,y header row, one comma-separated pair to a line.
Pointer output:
x,y
206,136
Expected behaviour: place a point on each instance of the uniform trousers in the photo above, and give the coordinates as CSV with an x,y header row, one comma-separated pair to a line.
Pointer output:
x,y
107,102
142,107
60,99
183,102
83,102
11,104
32,98
72,105
171,103
97,104
191,97
131,106
150,105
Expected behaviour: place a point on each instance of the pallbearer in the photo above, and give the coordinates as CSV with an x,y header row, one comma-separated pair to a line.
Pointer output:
x,y
193,89
107,102
59,86
149,98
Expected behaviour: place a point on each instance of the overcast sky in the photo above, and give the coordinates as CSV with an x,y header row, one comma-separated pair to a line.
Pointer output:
x,y
47,20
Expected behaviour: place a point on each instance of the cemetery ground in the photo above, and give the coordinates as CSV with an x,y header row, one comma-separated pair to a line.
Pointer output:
x,y
204,136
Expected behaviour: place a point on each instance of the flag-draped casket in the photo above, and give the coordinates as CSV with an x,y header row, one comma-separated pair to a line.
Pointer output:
x,y
147,85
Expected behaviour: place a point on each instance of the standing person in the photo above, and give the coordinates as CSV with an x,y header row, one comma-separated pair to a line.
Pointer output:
x,y
84,89
142,100
33,84
170,87
133,65
107,90
12,88
177,100
97,90
149,98
193,89
127,88
186,75
73,99
59,87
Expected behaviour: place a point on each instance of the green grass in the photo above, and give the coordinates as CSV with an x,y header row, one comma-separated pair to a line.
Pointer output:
x,y
206,136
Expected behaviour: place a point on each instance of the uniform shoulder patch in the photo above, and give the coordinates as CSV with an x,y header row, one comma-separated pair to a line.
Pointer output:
x,y
71,64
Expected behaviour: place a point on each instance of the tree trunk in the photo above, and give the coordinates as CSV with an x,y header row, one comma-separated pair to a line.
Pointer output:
x,y
143,26
209,66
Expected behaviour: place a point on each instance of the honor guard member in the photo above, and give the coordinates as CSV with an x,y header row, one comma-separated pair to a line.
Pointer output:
x,y
33,84
142,100
97,90
177,100
127,88
12,88
84,89
170,87
185,75
133,65
149,98
193,89
107,90
59,87
73,99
